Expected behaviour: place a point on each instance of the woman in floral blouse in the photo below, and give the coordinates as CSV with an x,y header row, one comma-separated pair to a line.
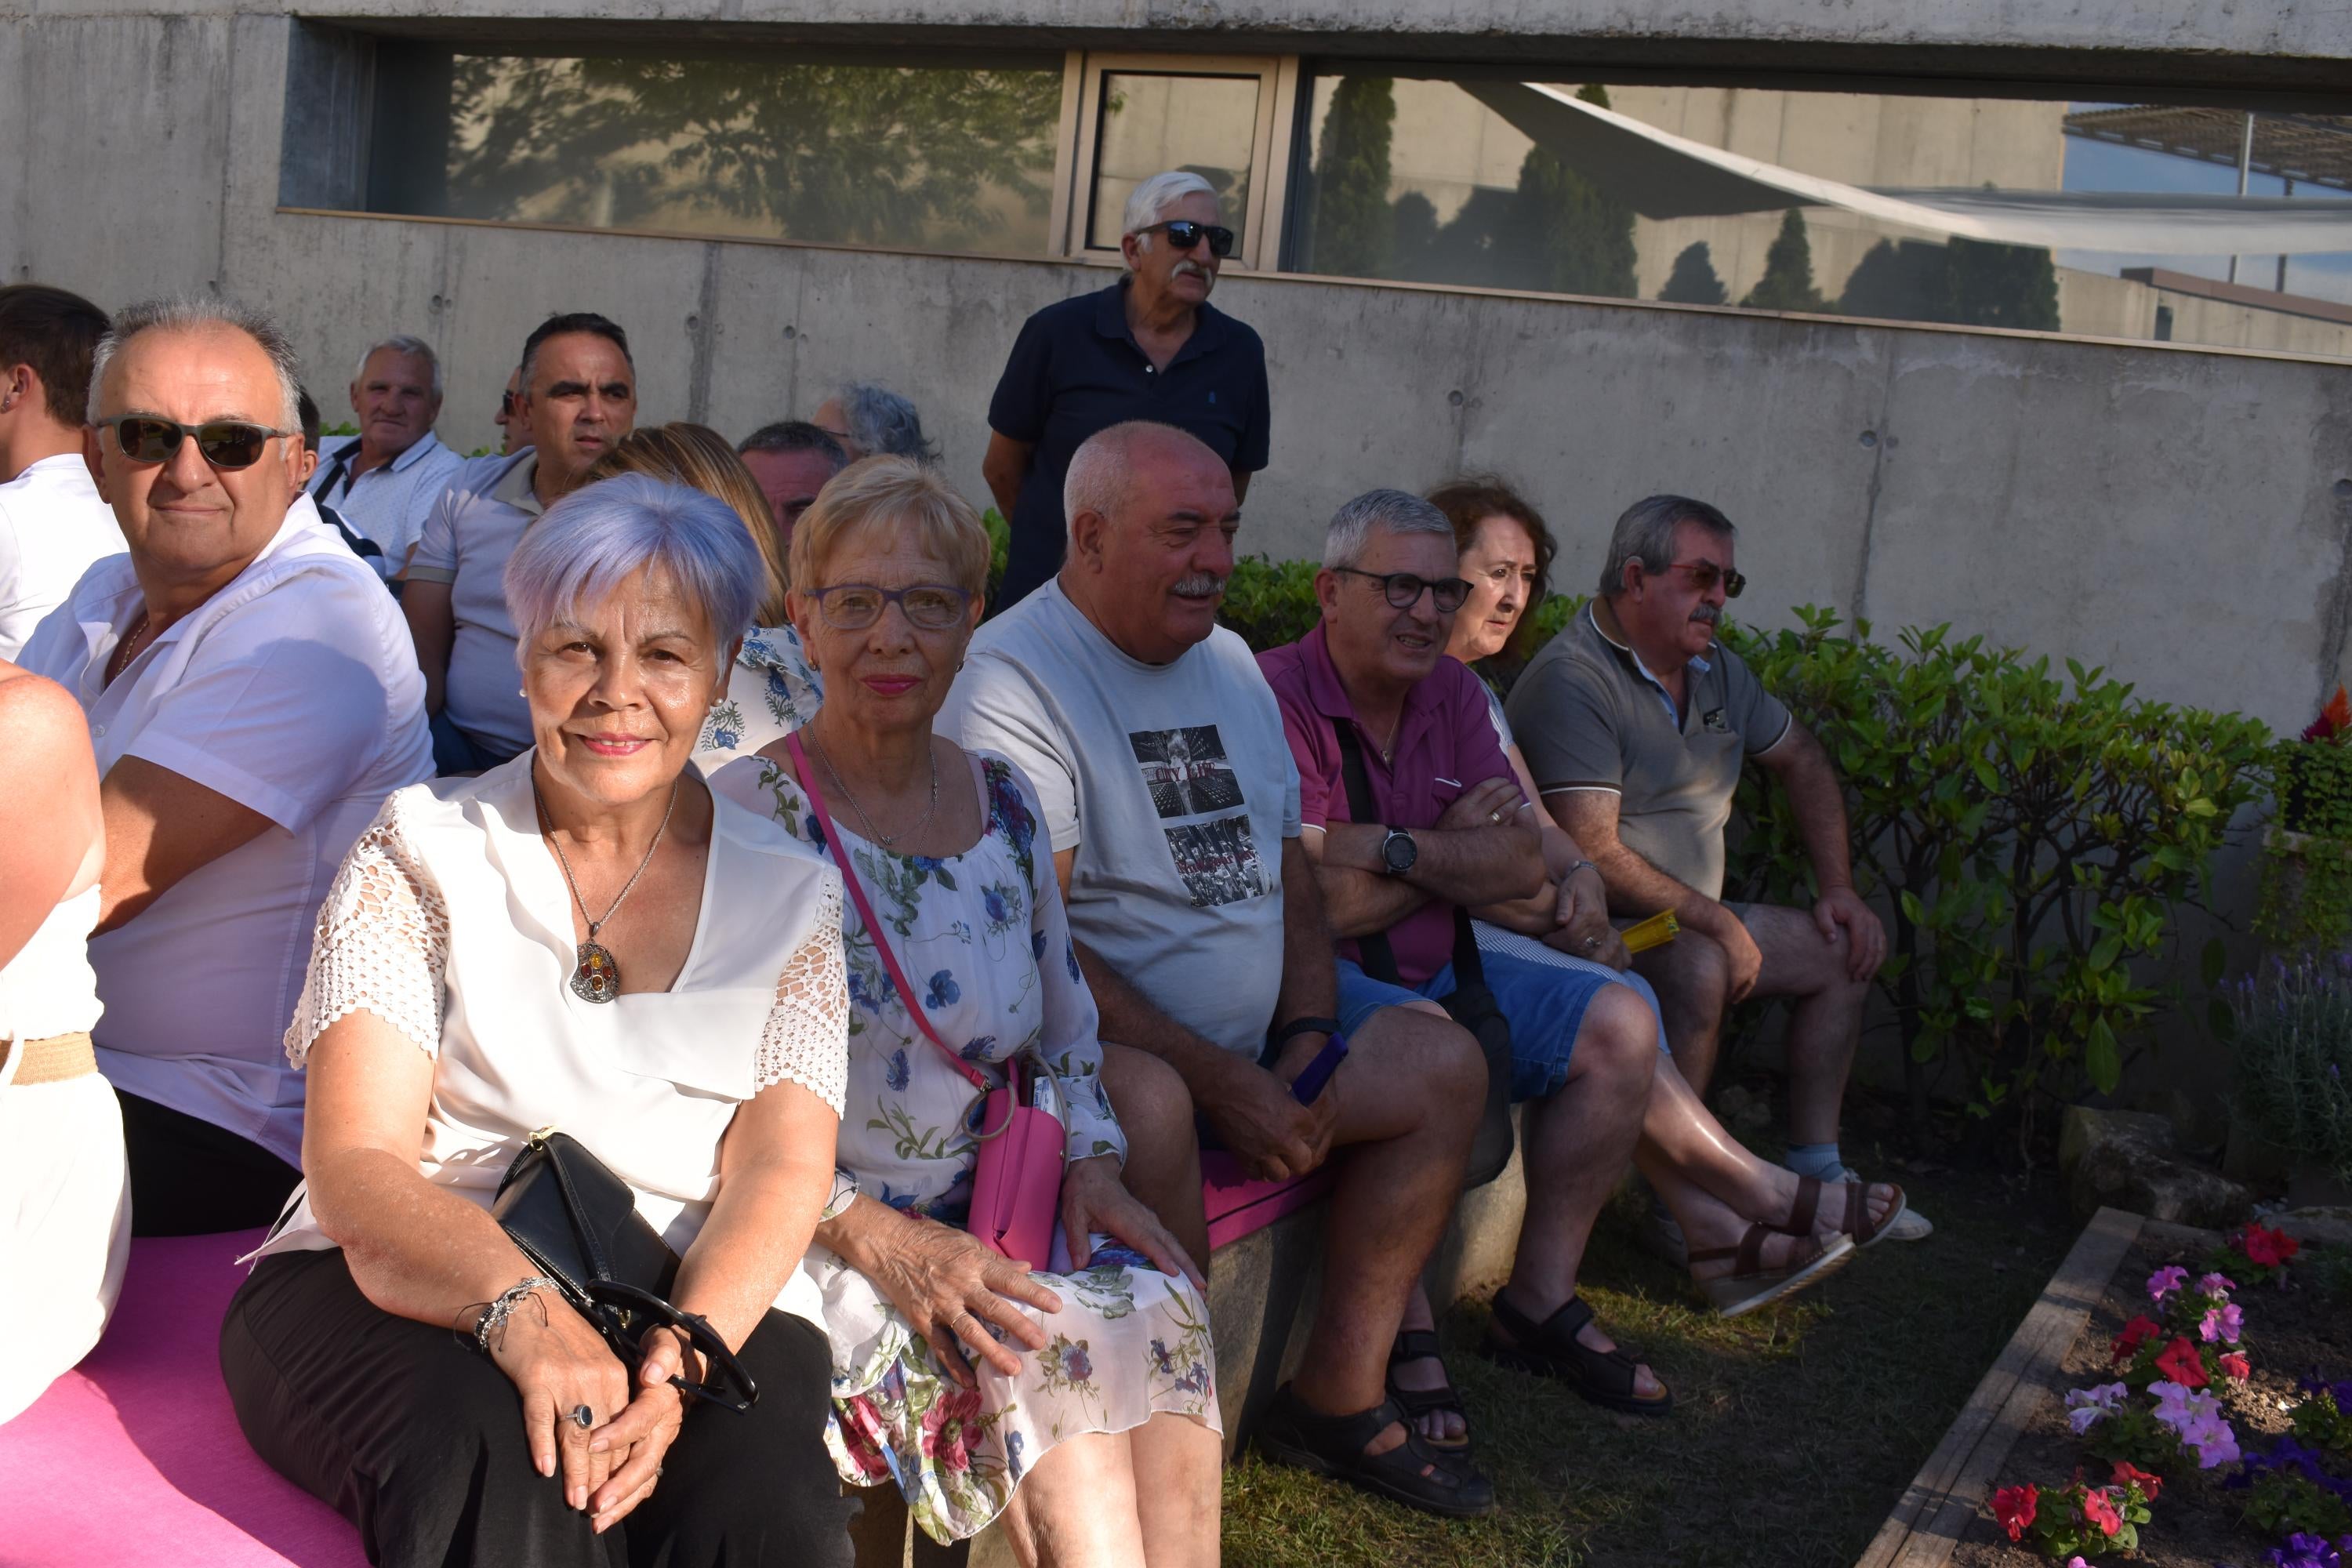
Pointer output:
x,y
1079,1404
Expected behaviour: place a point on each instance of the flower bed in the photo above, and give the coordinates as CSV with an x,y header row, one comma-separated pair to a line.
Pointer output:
x,y
2204,1418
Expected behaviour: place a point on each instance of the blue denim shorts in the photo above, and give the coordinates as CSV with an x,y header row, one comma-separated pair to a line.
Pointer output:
x,y
1544,1001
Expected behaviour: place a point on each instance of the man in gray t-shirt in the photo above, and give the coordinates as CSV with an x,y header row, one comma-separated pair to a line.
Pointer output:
x,y
1635,723
1173,803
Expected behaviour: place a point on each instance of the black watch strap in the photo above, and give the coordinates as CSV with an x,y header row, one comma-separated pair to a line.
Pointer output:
x,y
1298,1026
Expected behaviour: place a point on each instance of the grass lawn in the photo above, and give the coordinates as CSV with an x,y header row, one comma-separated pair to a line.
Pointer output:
x,y
1795,1428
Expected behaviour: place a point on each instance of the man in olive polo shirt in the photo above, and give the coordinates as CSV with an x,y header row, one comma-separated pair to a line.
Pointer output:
x,y
1635,723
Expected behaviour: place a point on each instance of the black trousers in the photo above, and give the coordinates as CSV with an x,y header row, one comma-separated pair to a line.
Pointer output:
x,y
189,1177
418,1440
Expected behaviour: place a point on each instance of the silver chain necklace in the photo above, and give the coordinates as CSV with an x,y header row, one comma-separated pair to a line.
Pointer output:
x,y
888,840
598,977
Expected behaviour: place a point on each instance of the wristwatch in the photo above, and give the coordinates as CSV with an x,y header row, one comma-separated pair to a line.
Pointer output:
x,y
1398,852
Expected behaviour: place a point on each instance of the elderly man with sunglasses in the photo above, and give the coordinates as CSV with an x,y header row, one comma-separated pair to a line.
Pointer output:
x,y
1635,723
252,698
1149,347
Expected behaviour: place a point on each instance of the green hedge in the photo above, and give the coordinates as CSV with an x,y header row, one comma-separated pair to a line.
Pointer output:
x,y
2033,840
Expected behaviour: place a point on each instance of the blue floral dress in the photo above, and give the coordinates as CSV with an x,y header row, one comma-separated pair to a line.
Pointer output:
x,y
774,692
984,936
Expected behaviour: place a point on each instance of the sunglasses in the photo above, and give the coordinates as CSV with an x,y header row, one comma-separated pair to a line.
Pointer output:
x,y
1184,234
1706,574
226,442
1404,589
929,607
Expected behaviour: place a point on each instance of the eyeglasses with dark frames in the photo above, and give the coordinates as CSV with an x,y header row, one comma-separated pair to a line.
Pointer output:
x,y
928,607
1184,234
1706,574
1404,589
226,444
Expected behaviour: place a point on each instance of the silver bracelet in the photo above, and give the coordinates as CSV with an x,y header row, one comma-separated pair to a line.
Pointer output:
x,y
1579,866
494,1316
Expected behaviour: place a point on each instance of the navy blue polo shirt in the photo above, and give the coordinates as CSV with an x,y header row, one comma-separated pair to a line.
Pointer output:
x,y
1076,369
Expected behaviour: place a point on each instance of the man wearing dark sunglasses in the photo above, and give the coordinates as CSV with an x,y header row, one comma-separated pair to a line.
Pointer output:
x,y
1637,722
1150,347
252,700
579,397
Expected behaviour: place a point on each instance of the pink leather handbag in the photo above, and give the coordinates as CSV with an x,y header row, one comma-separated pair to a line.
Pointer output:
x,y
1016,1184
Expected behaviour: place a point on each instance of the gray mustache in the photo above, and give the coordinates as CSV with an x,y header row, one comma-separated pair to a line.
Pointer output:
x,y
1707,613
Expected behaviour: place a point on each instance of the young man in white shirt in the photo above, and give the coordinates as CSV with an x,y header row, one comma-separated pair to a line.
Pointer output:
x,y
384,480
252,699
52,523
579,397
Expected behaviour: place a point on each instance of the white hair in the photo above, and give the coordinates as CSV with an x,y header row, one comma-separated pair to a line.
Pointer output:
x,y
1098,478
601,535
402,343
1151,199
184,313
1391,512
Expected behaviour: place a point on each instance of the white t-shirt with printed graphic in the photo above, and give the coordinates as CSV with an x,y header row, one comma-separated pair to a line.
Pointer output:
x,y
1175,784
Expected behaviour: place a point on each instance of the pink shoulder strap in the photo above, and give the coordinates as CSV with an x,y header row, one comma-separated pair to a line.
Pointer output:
x,y
865,912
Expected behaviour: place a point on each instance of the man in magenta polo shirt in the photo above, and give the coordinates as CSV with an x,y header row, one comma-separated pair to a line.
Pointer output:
x,y
1454,829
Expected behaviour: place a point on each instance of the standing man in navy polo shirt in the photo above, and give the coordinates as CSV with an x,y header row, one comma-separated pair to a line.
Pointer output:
x,y
1149,347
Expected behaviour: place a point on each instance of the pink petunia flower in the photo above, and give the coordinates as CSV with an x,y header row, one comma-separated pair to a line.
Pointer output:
x,y
2165,1282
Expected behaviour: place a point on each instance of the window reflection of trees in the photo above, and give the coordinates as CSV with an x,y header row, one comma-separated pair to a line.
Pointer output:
x,y
954,159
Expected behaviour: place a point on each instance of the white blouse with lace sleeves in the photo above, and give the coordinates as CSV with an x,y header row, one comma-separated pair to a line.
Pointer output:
x,y
807,1036
381,944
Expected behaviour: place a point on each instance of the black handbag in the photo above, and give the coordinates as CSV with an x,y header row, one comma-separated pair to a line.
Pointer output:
x,y
578,1223
1470,1003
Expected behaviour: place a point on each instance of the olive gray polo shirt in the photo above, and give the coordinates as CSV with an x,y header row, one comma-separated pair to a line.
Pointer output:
x,y
1589,715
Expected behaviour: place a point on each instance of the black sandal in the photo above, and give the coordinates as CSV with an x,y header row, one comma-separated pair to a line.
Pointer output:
x,y
1552,1350
1421,1345
1412,1473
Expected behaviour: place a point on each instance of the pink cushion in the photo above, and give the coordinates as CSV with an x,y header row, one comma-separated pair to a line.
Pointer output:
x,y
1239,1204
133,1459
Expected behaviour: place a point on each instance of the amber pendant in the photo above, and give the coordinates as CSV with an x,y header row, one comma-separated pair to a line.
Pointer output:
x,y
598,978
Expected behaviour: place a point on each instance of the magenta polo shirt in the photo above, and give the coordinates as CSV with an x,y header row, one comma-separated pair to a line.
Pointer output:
x,y
1445,745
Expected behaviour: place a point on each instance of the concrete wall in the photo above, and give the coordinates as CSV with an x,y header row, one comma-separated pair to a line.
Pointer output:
x,y
2180,515
2185,45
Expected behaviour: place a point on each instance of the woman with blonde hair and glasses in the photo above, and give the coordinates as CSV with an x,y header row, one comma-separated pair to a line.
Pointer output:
x,y
1079,1404
776,691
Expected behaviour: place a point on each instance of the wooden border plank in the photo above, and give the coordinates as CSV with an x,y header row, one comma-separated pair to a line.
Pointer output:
x,y
1935,1508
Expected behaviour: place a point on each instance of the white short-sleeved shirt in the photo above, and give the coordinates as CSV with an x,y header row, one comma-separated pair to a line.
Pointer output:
x,y
293,691
1177,788
53,528
450,920
388,503
471,530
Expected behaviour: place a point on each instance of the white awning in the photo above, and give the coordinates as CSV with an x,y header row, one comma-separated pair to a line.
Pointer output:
x,y
1662,176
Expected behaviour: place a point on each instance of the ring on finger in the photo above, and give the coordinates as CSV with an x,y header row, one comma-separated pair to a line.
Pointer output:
x,y
583,1416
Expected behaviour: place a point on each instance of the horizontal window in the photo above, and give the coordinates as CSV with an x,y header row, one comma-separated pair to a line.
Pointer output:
x,y
2100,220
931,155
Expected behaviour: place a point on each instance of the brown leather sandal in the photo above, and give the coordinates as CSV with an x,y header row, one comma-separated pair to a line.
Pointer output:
x,y
1751,1284
1551,1349
1857,1210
